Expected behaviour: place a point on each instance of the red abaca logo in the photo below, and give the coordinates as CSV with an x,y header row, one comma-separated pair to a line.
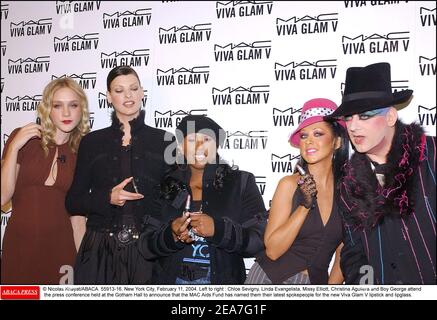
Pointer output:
x,y
20,293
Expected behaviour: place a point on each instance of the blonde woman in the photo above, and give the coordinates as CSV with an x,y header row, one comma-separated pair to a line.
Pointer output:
x,y
37,169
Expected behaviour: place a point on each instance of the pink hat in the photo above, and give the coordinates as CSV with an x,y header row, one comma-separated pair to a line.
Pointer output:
x,y
313,111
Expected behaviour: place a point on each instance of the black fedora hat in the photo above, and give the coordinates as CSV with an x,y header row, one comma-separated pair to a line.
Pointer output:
x,y
369,88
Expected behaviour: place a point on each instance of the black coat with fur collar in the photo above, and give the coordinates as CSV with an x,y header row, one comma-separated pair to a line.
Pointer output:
x,y
239,219
391,228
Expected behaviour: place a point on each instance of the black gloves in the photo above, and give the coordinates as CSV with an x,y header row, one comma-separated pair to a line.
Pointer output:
x,y
307,187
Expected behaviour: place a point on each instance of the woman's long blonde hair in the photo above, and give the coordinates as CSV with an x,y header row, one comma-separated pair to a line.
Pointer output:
x,y
45,107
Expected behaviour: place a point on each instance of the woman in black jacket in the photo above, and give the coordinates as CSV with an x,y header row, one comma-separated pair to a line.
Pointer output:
x,y
117,169
213,215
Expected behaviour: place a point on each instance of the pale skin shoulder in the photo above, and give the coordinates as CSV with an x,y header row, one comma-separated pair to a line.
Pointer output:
x,y
283,225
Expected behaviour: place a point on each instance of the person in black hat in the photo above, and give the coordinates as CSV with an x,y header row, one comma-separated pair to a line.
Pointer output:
x,y
213,215
388,193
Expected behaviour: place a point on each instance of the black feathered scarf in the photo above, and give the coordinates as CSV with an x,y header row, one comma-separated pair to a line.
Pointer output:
x,y
365,200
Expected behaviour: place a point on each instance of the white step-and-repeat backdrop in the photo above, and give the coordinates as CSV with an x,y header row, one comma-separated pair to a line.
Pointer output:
x,y
250,65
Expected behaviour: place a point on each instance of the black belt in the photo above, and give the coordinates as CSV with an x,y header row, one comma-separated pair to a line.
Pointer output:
x,y
124,234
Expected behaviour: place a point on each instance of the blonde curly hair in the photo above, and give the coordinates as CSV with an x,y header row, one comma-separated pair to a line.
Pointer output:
x,y
45,107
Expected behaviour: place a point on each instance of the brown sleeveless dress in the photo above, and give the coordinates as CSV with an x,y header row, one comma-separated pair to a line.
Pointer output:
x,y
38,239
